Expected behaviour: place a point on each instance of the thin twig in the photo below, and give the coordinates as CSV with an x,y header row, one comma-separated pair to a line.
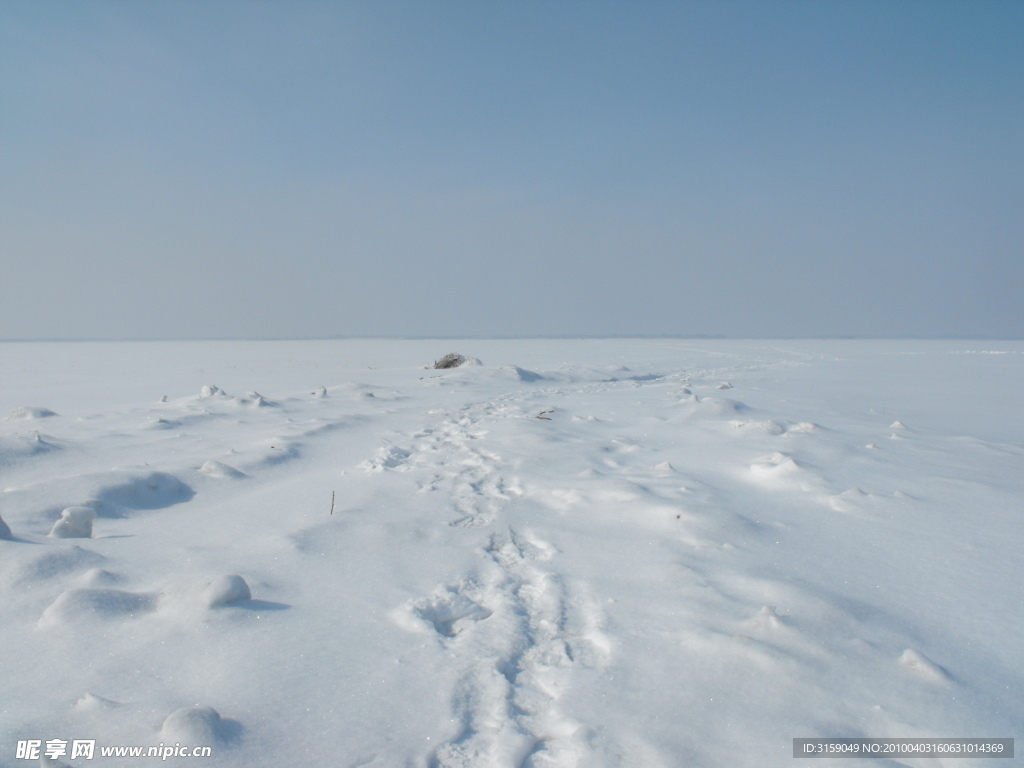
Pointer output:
x,y
332,502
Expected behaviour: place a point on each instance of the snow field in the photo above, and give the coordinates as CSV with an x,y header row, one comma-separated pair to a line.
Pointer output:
x,y
619,553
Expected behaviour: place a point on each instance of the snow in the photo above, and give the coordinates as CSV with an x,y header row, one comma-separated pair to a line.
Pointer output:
x,y
198,725
74,523
573,553
225,590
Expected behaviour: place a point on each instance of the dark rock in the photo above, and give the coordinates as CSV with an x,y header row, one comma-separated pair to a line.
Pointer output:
x,y
451,360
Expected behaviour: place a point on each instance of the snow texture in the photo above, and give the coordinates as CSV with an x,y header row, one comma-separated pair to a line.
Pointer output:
x,y
592,553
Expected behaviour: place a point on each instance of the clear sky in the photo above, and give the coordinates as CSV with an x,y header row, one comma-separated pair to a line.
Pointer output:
x,y
244,168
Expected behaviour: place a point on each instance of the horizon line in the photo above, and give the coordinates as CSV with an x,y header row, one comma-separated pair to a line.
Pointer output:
x,y
551,337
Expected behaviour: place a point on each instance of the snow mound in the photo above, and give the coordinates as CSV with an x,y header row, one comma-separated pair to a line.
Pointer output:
x,y
146,490
90,702
775,468
848,500
802,427
209,390
767,618
198,725
113,494
713,407
256,400
14,447
29,412
225,590
74,523
53,563
77,605
5,531
521,373
768,426
216,469
916,662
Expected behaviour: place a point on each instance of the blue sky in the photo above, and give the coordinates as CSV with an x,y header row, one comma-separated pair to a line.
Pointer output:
x,y
310,169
